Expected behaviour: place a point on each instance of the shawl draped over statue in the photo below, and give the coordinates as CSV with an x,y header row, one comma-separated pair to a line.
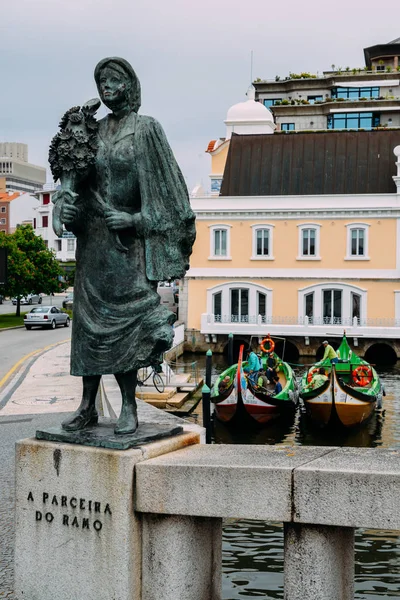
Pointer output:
x,y
118,323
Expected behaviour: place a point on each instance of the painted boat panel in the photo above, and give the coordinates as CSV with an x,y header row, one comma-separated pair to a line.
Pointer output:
x,y
241,402
340,402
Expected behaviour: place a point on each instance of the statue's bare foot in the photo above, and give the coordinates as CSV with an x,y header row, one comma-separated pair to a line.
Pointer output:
x,y
81,419
128,421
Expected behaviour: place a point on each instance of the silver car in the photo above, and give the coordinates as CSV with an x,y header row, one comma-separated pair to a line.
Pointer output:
x,y
29,299
46,316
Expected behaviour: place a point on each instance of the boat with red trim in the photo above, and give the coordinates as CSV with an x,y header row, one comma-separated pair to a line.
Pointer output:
x,y
242,397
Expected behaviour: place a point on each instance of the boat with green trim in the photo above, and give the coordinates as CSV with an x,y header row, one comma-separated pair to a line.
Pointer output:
x,y
241,398
346,395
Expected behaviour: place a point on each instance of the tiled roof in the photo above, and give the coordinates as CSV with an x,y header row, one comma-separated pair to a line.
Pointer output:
x,y
211,145
6,197
342,162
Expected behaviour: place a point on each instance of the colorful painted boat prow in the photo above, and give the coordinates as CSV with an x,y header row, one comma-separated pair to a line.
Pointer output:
x,y
342,394
241,399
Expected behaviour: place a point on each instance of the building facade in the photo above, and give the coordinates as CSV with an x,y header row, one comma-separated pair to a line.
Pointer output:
x,y
16,173
319,256
342,98
64,246
16,208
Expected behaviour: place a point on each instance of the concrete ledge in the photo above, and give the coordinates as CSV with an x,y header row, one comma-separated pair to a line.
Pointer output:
x,y
343,487
350,487
252,482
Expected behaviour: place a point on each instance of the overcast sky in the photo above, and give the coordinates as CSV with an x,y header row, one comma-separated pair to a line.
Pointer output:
x,y
193,58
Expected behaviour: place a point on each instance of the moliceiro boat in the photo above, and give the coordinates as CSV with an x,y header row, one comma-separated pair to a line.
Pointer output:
x,y
244,397
343,394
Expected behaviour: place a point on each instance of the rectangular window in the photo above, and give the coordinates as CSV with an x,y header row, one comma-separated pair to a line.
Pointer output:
x,y
380,67
287,126
57,245
262,242
2,221
45,221
217,306
271,101
240,305
262,304
359,120
357,242
3,209
71,245
34,223
46,198
350,93
313,99
220,242
309,306
332,306
355,306
308,244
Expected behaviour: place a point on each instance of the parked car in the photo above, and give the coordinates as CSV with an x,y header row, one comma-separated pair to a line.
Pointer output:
x,y
29,299
68,302
46,316
169,295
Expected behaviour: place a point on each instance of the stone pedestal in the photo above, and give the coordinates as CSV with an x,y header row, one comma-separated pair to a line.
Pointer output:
x,y
319,562
77,535
182,557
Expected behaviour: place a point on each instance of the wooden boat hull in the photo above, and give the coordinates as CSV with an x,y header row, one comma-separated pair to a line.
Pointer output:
x,y
336,404
240,405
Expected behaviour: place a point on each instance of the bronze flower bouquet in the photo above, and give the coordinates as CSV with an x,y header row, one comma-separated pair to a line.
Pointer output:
x,y
72,153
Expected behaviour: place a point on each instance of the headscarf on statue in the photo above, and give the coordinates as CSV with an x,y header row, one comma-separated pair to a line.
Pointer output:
x,y
168,220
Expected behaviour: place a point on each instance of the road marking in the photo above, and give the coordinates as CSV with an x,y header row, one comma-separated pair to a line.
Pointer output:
x,y
24,358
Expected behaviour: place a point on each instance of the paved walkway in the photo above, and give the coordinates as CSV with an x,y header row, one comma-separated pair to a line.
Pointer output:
x,y
45,386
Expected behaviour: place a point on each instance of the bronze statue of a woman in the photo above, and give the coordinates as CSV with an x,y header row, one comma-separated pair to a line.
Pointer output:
x,y
124,197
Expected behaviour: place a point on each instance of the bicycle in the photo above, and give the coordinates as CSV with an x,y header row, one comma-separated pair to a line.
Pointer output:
x,y
144,375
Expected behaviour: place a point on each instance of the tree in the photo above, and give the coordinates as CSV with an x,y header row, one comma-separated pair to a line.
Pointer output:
x,y
32,267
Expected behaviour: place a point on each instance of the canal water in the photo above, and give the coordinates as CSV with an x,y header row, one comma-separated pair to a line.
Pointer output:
x,y
253,550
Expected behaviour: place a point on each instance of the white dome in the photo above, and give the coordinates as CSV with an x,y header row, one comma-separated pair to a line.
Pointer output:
x,y
249,111
249,117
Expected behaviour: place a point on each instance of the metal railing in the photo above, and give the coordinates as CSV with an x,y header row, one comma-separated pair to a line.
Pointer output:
x,y
172,368
304,321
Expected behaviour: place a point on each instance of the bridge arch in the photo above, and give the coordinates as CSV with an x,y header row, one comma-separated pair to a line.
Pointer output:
x,y
380,354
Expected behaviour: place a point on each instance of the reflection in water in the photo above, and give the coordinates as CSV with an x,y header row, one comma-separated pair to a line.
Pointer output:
x,y
253,550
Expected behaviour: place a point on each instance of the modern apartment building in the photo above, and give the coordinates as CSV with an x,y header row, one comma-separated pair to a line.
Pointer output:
x,y
16,173
346,97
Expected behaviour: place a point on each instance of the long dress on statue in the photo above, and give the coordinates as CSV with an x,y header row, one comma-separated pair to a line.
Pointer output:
x,y
118,322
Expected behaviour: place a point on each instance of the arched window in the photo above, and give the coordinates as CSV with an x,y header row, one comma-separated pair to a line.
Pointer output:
x,y
332,303
262,242
309,241
220,245
357,241
240,302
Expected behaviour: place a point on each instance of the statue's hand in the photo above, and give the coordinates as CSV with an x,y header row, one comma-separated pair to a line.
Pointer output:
x,y
118,220
69,214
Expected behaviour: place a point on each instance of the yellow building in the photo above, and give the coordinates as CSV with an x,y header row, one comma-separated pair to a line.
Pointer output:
x,y
303,242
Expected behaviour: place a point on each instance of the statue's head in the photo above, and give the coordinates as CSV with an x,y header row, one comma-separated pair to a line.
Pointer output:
x,y
118,84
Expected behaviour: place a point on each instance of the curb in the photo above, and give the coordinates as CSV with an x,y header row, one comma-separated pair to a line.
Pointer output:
x,y
10,328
